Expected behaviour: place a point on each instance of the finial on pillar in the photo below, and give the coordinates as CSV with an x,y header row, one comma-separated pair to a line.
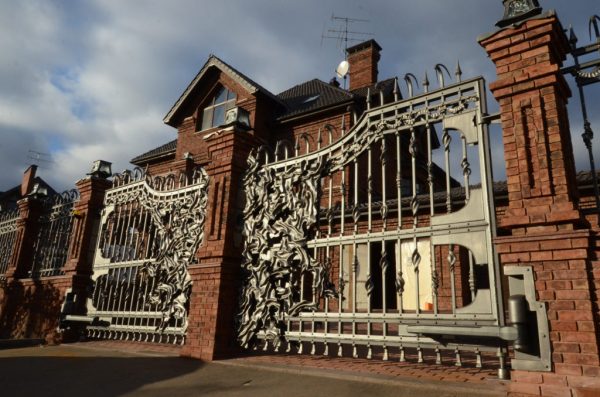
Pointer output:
x,y
518,10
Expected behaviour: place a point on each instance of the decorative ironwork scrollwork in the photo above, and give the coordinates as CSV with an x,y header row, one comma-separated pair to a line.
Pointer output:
x,y
181,230
280,216
148,239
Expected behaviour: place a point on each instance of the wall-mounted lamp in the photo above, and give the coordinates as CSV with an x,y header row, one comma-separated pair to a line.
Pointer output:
x,y
518,10
101,169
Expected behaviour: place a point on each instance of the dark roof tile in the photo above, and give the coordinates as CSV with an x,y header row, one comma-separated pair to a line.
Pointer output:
x,y
310,96
162,150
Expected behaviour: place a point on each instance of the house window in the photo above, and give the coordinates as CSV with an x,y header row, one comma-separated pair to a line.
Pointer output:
x,y
214,114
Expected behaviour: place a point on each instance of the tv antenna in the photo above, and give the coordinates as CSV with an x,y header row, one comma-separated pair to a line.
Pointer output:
x,y
344,35
39,157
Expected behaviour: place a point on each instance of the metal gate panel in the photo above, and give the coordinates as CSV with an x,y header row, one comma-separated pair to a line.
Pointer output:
x,y
150,230
8,238
54,234
368,243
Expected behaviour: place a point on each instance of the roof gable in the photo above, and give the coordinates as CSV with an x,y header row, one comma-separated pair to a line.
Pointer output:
x,y
214,62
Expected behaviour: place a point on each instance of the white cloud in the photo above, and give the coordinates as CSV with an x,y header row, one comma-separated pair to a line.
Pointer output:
x,y
93,79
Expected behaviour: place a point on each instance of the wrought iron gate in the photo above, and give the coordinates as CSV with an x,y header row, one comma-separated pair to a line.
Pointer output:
x,y
368,246
8,238
54,234
150,230
587,73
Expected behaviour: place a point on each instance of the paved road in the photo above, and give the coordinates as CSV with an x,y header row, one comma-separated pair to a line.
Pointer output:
x,y
75,370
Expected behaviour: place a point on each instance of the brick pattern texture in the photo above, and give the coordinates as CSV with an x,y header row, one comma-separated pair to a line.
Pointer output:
x,y
542,223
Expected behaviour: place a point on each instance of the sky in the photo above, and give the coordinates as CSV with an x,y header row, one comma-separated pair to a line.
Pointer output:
x,y
82,80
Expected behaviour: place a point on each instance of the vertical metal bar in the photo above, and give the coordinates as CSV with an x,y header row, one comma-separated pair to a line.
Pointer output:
x,y
356,216
128,237
328,260
488,202
105,291
588,133
369,284
314,300
47,243
471,277
384,260
452,264
447,139
127,301
341,283
416,257
434,281
428,128
466,170
399,276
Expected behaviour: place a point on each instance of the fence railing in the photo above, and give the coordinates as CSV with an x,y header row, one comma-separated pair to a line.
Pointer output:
x,y
150,230
370,247
55,225
8,238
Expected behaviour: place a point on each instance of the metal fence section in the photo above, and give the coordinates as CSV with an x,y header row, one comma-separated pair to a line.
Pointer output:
x,y
150,230
54,234
8,238
380,243
587,72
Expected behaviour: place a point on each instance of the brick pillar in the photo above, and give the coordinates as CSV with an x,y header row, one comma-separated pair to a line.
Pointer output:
x,y
216,276
543,227
86,212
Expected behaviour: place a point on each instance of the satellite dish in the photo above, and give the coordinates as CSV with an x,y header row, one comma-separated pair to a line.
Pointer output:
x,y
342,69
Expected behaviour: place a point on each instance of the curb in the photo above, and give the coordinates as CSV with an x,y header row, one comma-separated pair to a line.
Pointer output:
x,y
445,387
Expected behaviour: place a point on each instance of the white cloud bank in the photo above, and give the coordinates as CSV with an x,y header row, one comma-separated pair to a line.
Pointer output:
x,y
93,79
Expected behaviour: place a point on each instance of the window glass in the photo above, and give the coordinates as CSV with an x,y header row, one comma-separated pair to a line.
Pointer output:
x,y
218,116
207,118
214,114
221,96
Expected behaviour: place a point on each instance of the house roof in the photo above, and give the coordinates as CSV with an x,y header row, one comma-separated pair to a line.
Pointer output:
x,y
310,96
214,62
10,197
385,86
160,151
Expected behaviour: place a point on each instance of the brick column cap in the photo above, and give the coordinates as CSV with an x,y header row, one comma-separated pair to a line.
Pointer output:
x,y
506,31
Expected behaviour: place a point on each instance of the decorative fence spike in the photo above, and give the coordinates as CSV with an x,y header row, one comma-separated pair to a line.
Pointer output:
x,y
439,70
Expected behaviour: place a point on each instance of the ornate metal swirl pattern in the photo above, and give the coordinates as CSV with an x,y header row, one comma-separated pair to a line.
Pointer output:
x,y
149,237
279,217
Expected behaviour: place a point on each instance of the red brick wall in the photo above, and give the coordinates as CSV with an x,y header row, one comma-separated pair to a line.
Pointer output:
x,y
30,308
542,225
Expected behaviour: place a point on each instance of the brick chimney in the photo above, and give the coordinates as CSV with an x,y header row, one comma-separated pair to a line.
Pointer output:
x,y
27,181
363,59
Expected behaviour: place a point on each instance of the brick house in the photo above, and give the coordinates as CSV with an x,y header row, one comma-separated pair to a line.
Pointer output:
x,y
309,115
545,239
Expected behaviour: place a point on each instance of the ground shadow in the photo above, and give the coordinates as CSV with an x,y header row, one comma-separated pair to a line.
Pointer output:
x,y
30,311
69,375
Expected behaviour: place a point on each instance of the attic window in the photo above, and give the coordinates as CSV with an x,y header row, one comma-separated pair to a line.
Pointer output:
x,y
312,98
214,114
